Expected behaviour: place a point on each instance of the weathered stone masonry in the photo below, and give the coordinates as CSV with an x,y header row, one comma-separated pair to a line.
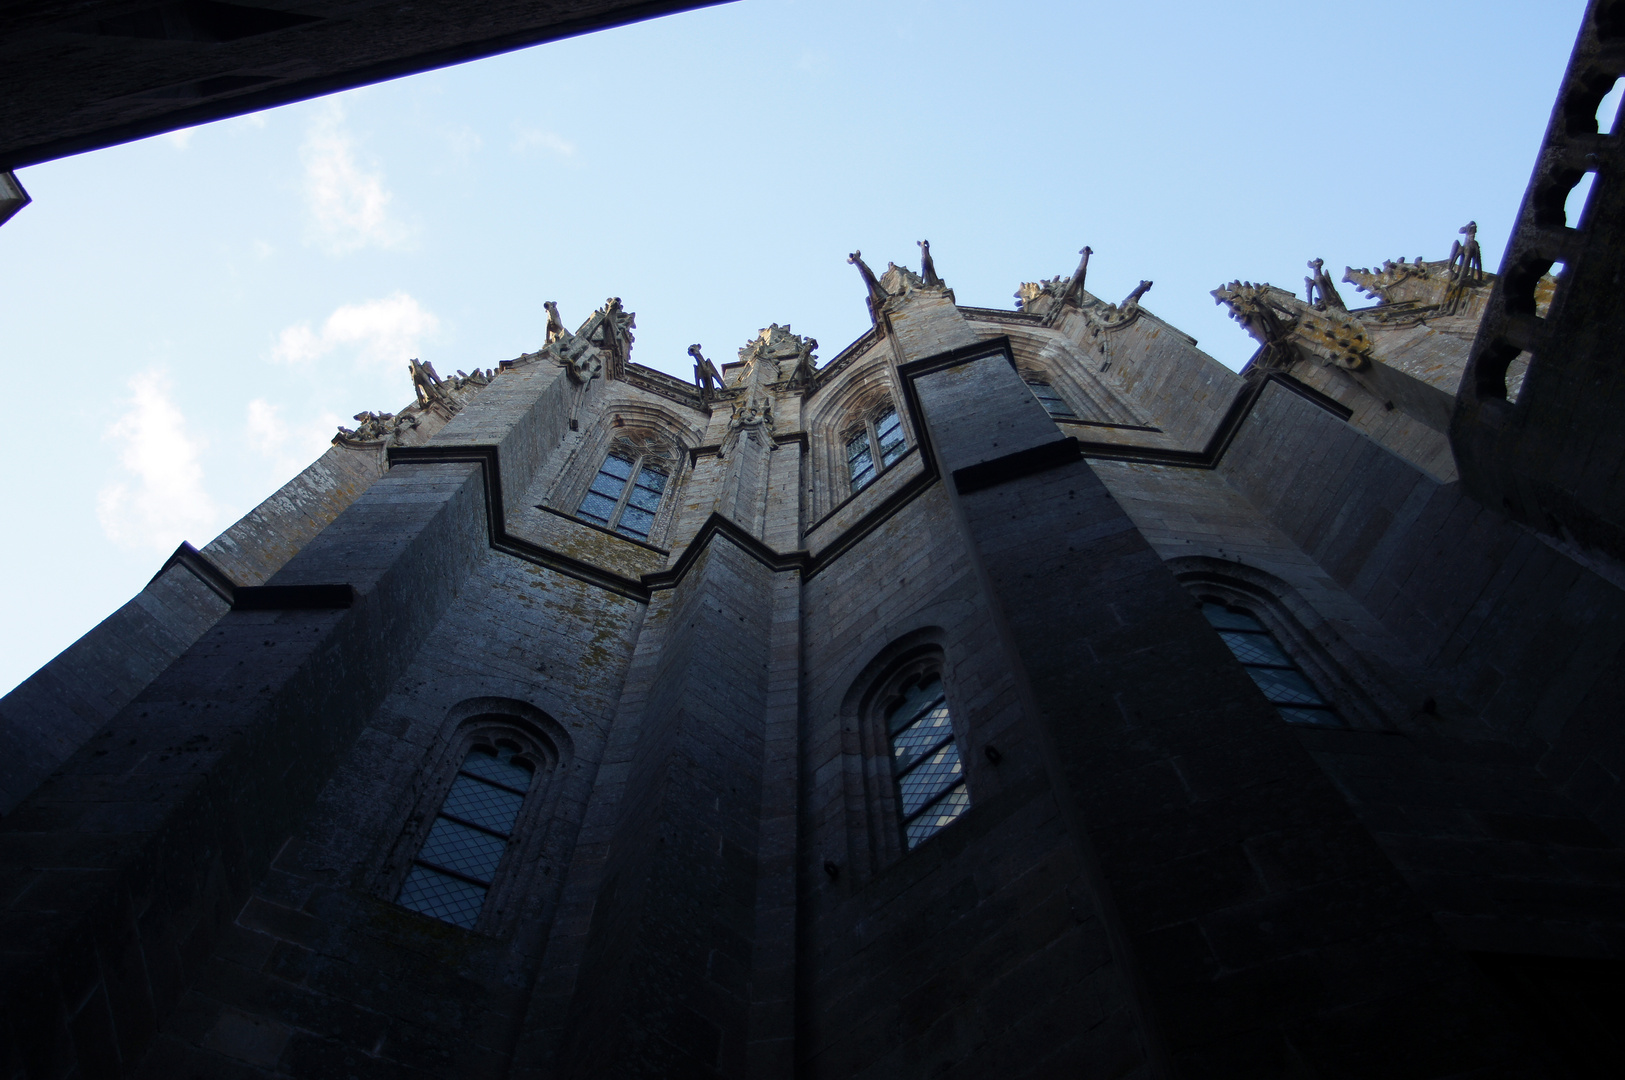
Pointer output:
x,y
213,798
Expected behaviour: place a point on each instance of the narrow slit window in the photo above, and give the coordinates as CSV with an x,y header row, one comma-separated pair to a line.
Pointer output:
x,y
1053,403
925,761
625,496
458,861
1293,696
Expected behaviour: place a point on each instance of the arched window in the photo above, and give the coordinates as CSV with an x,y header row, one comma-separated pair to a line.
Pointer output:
x,y
458,861
1293,696
879,440
625,494
925,759
1053,403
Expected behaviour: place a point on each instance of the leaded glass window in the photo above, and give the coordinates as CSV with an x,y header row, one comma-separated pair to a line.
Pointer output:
x,y
880,440
1053,403
625,494
458,861
1272,669
860,460
925,760
889,434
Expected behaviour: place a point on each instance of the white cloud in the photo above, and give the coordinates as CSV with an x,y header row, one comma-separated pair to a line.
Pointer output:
x,y
348,202
463,143
181,139
529,140
384,333
286,447
160,500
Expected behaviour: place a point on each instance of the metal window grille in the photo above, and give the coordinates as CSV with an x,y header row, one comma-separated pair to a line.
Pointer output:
x,y
1292,695
925,761
625,495
458,861
1053,403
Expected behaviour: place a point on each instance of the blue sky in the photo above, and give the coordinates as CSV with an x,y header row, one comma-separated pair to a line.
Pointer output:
x,y
185,319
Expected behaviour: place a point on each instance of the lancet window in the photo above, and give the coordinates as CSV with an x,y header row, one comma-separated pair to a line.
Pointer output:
x,y
1293,696
625,494
458,861
1052,401
879,440
930,776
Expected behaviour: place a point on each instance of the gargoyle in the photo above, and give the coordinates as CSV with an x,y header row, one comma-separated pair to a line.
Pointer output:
x,y
806,364
928,269
876,293
1471,270
555,325
1319,290
429,388
705,373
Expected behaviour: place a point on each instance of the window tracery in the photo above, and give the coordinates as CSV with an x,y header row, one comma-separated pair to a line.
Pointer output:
x,y
880,440
457,863
1276,674
926,765
625,495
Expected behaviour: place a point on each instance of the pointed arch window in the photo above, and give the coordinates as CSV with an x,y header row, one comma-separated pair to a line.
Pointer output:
x,y
458,861
1052,401
626,494
930,776
879,440
1293,696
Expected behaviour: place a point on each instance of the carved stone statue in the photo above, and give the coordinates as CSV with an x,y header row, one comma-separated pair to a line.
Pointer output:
x,y
1133,298
1319,290
928,269
1471,271
876,293
555,325
705,374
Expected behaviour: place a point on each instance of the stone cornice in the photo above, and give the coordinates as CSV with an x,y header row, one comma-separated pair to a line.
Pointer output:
x,y
663,385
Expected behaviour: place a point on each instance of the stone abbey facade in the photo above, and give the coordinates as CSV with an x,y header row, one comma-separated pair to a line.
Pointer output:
x,y
1016,692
